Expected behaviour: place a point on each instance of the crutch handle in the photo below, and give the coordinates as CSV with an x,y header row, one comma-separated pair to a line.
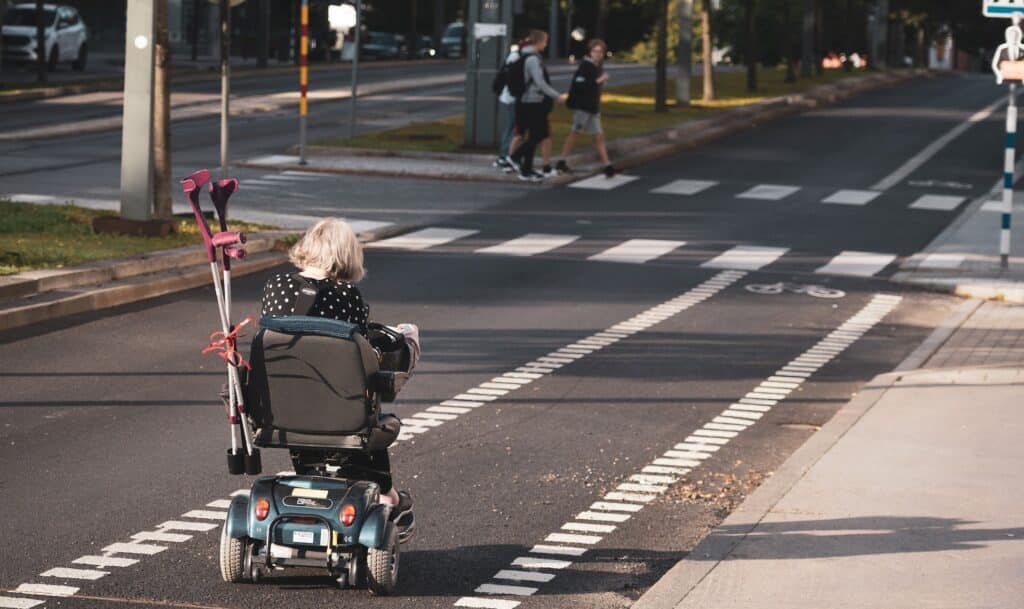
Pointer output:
x,y
235,252
224,238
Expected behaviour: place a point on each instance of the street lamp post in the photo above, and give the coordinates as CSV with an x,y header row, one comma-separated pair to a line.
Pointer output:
x,y
353,97
225,82
303,79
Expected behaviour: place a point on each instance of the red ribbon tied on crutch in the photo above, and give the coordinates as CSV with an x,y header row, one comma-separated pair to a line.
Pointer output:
x,y
224,345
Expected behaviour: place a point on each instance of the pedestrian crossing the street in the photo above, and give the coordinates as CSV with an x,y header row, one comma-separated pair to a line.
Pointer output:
x,y
744,257
767,192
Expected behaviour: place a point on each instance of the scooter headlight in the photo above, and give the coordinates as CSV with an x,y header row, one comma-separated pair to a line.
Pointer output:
x,y
262,509
348,514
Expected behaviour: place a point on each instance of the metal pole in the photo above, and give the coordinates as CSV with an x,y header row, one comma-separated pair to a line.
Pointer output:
x,y
684,51
225,83
1009,163
355,72
303,80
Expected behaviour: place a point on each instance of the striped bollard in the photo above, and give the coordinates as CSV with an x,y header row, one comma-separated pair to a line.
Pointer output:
x,y
303,80
1010,162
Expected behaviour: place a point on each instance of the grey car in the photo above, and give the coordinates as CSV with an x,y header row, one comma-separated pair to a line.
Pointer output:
x,y
66,36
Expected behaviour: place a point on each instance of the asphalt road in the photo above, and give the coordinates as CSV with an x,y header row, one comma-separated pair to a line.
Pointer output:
x,y
111,424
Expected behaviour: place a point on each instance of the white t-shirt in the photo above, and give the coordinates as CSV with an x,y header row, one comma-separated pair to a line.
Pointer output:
x,y
506,97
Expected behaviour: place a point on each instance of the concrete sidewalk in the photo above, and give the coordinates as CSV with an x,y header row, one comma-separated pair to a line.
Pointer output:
x,y
910,497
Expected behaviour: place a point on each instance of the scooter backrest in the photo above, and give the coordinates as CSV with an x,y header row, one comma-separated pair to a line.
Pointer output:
x,y
311,375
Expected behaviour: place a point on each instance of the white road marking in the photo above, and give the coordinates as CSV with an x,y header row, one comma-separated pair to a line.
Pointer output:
x,y
638,497
221,504
655,480
588,527
746,258
9,602
180,525
612,506
529,245
571,538
938,202
852,197
105,561
941,260
423,239
919,159
524,576
289,177
557,550
603,516
505,590
637,251
46,590
208,514
768,192
684,187
485,603
68,573
250,183
133,548
856,264
162,537
535,562
600,182
631,487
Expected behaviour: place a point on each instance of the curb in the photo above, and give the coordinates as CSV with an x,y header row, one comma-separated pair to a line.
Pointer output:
x,y
630,151
681,579
180,270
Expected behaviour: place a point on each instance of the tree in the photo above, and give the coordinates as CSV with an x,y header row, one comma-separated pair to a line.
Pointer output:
x,y
751,50
660,102
807,55
161,115
706,49
684,51
602,19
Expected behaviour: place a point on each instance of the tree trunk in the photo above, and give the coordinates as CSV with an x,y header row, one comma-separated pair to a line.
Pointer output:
x,y
40,42
161,115
787,43
684,52
707,42
807,54
660,102
751,46
602,19
819,36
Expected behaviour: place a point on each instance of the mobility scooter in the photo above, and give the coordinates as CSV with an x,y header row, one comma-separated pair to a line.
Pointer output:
x,y
313,386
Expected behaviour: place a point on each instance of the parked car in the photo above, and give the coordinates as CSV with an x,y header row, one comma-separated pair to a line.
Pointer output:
x,y
453,41
66,36
425,48
382,45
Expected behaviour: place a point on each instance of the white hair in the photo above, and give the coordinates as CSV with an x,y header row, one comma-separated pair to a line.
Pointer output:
x,y
331,247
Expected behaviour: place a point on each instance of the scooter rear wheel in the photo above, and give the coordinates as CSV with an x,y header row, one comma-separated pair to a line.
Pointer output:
x,y
232,557
382,564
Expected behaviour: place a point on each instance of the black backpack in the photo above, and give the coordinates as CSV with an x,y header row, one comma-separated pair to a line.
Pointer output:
x,y
500,79
515,80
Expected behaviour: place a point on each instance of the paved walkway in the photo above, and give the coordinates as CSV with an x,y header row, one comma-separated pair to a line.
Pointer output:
x,y
909,498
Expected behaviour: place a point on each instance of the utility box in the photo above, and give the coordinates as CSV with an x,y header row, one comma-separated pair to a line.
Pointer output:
x,y
488,37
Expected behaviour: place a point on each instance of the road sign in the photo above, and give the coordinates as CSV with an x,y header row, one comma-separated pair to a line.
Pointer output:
x,y
1002,8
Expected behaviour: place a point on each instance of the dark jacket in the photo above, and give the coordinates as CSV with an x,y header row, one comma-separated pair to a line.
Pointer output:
x,y
585,92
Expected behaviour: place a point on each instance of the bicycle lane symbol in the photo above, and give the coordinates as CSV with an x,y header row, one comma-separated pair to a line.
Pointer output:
x,y
773,289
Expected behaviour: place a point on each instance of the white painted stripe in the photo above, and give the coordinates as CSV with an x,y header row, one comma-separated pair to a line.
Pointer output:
x,y
162,537
942,260
9,602
423,239
206,514
419,421
412,429
919,159
435,415
105,561
706,439
637,487
524,576
511,380
652,479
505,590
638,497
242,491
529,245
750,407
723,427
715,433
468,400
505,387
677,462
221,504
768,192
746,257
938,202
746,415
687,454
726,420
759,401
46,590
180,525
852,197
661,469
536,562
774,381
637,251
588,527
572,538
603,516
290,177
496,392
485,603
448,410
68,573
247,183
133,548
561,354
524,375
600,182
857,264
615,506
684,187
557,550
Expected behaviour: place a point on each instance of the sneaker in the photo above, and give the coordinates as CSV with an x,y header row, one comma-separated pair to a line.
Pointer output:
x,y
512,166
561,167
500,163
609,171
549,172
533,176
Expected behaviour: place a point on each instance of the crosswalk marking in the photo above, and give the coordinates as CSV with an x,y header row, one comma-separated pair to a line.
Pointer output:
x,y
529,245
46,590
942,260
746,258
67,573
105,561
937,202
637,251
287,177
852,197
600,182
768,192
684,187
424,238
856,264
9,602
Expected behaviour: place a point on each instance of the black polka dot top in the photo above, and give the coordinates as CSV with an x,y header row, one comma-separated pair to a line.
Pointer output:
x,y
335,299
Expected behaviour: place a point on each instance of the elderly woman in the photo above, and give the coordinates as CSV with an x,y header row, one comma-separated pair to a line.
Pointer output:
x,y
330,262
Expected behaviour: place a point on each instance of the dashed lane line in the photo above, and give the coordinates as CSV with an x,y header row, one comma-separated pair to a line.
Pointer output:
x,y
631,497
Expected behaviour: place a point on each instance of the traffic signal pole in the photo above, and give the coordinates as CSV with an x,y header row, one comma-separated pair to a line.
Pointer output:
x,y
303,80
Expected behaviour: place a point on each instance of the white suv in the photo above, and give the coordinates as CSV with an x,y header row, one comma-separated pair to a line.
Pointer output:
x,y
66,35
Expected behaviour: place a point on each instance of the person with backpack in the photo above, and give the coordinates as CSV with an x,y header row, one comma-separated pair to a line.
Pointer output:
x,y
585,100
508,102
529,83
